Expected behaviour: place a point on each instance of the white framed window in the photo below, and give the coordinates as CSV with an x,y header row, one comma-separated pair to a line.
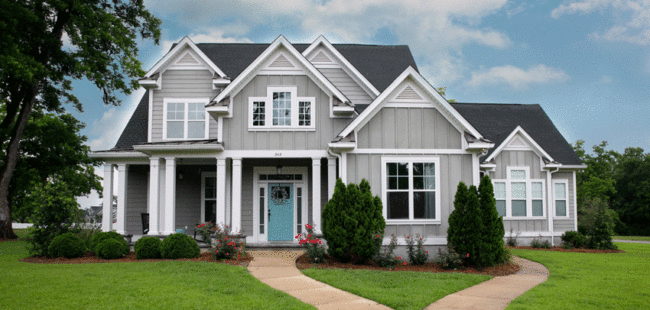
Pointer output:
x,y
519,196
561,197
281,109
185,119
410,189
208,197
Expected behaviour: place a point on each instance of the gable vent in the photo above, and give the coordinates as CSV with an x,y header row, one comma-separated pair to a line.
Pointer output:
x,y
408,94
281,62
517,142
187,60
321,57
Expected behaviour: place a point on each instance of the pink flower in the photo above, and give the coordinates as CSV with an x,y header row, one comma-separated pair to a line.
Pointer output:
x,y
217,251
467,254
404,263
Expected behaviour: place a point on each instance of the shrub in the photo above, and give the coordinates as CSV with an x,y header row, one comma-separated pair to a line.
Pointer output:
x,y
539,243
573,239
313,245
148,247
180,246
226,246
417,254
100,237
601,229
206,230
512,241
350,221
110,249
386,258
87,233
449,259
465,225
67,245
492,247
55,212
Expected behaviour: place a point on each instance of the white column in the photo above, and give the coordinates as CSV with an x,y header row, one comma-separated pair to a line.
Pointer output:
x,y
107,217
331,176
154,196
315,185
122,179
344,168
236,195
170,195
221,191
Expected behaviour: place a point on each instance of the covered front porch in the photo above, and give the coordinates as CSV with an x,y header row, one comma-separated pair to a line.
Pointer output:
x,y
265,196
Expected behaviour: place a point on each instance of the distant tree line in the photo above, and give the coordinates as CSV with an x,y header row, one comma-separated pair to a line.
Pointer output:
x,y
621,182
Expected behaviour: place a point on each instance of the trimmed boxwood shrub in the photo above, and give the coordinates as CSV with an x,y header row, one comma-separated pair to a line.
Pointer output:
x,y
100,237
573,239
148,247
67,245
180,246
110,249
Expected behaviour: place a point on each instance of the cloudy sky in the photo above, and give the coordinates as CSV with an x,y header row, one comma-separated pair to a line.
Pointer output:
x,y
587,63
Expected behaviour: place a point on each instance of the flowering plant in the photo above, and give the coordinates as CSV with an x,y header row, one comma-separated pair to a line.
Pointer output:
x,y
386,258
417,254
205,230
313,245
226,244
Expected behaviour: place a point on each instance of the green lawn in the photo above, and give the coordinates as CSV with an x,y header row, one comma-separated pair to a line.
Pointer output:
x,y
633,238
160,285
398,290
21,233
590,281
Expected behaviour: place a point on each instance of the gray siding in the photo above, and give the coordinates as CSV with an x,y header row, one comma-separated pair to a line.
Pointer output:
x,y
453,169
413,128
188,198
136,198
181,84
237,136
565,224
346,85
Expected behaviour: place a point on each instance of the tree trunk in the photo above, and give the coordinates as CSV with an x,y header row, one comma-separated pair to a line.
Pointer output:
x,y
6,231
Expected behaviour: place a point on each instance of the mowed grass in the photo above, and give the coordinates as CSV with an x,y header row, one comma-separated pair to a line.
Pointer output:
x,y
398,290
633,238
160,285
590,281
21,233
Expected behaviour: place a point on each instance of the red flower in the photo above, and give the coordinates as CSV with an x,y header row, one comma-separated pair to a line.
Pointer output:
x,y
407,237
217,251
467,254
309,236
399,257
226,238
297,236
320,242
404,263
308,226
377,236
427,252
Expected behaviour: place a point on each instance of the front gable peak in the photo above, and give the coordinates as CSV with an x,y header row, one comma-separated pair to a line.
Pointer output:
x,y
520,140
185,55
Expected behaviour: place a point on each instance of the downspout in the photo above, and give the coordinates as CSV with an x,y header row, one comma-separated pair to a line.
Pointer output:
x,y
329,151
549,188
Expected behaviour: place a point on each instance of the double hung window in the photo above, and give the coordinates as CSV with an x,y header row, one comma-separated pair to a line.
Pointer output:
x,y
281,109
560,196
519,195
410,188
185,119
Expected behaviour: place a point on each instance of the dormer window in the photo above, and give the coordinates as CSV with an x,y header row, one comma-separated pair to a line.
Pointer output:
x,y
281,109
185,119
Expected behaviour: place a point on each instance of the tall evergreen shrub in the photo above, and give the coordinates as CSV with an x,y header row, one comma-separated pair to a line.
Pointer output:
x,y
493,250
350,221
465,225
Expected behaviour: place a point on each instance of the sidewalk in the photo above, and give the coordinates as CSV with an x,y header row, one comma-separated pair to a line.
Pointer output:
x,y
630,241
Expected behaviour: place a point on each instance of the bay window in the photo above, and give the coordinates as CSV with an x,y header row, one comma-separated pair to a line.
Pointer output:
x,y
281,109
410,188
185,119
519,196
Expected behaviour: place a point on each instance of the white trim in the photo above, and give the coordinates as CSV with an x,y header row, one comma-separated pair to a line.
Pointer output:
x,y
411,159
236,213
566,198
295,110
409,72
535,147
342,145
272,153
476,170
533,234
150,123
221,191
344,167
331,176
122,182
107,198
575,202
409,104
170,195
411,151
185,42
177,147
118,155
185,102
573,166
315,186
427,241
234,87
154,196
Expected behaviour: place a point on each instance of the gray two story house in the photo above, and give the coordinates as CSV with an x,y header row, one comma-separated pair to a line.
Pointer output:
x,y
254,136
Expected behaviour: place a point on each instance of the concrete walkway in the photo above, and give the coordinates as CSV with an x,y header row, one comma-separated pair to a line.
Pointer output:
x,y
278,270
498,292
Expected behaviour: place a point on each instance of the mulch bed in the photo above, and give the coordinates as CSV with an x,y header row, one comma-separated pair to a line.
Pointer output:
x,y
303,262
560,249
90,258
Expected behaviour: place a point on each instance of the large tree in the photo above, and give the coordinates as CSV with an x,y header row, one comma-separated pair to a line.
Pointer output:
x,y
632,201
37,69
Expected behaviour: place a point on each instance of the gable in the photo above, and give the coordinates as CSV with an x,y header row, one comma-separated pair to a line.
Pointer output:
x,y
188,60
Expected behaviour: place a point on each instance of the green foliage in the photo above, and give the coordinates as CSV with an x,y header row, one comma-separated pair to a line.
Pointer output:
x,y
417,254
313,246
573,239
206,230
55,213
350,220
465,225
148,248
100,237
492,248
600,232
449,259
386,258
537,243
67,245
180,246
87,233
632,201
110,249
226,246
512,239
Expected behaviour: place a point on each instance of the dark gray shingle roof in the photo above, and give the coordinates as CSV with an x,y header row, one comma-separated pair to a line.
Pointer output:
x,y
496,121
136,129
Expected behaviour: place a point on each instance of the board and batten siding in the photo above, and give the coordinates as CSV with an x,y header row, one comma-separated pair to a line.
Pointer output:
x,y
346,85
408,128
136,198
561,224
453,169
236,134
521,159
181,84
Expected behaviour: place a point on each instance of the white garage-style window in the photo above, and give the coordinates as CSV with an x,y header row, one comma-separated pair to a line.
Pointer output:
x,y
560,195
410,189
519,196
281,109
185,119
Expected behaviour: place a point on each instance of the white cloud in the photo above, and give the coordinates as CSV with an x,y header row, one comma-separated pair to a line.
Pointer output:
x,y
109,128
516,77
635,29
210,35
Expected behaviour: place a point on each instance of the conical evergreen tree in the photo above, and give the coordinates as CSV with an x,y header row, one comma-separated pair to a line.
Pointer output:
x,y
472,228
492,250
332,217
456,218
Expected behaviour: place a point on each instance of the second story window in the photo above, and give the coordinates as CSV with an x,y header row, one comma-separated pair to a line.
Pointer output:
x,y
281,109
185,119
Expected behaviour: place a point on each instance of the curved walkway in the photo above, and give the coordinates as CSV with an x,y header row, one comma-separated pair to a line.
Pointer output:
x,y
278,270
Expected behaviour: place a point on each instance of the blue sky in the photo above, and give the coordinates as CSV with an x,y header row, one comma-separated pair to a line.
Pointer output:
x,y
587,63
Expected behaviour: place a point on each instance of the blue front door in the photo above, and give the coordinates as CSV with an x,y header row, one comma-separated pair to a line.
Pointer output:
x,y
280,211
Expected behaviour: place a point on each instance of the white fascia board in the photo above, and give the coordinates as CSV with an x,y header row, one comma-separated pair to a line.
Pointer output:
x,y
488,166
186,41
256,65
107,155
342,145
409,72
322,40
538,149
480,145
155,84
176,147
583,166
220,81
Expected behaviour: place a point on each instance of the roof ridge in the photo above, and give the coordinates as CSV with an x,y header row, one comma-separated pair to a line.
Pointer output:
x,y
496,103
